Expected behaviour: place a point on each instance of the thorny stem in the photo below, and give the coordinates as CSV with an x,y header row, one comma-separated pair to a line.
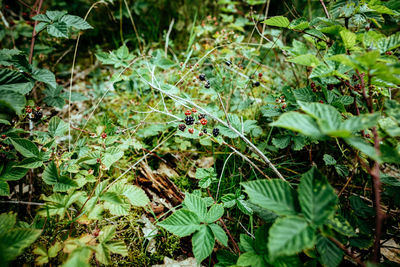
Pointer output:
x,y
325,10
374,172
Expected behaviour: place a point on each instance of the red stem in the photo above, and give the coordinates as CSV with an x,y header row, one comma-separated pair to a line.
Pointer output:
x,y
34,33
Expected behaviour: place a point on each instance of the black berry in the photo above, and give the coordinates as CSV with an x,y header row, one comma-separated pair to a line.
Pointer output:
x,y
207,85
37,115
202,77
215,132
182,127
228,63
189,120
202,116
256,84
205,130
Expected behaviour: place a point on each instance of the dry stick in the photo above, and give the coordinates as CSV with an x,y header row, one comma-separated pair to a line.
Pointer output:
x,y
134,27
375,174
247,141
167,37
34,33
348,252
325,10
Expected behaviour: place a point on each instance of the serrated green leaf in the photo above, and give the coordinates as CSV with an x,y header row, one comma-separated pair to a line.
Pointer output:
x,y
25,147
203,243
197,205
277,21
214,213
329,160
76,22
317,197
219,234
308,60
12,101
60,183
181,223
274,195
290,235
300,123
330,254
136,196
57,127
58,29
348,38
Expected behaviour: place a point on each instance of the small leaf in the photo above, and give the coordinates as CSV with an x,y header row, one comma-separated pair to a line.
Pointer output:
x,y
329,160
330,254
57,127
76,22
197,205
349,38
58,29
308,60
136,196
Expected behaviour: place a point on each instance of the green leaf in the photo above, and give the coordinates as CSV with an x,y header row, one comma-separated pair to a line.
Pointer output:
x,y
76,22
251,259
317,197
4,188
274,195
14,80
25,147
58,29
308,60
54,15
136,196
330,254
348,38
197,205
46,76
363,146
329,160
206,176
290,235
52,177
277,21
181,223
10,100
214,213
300,123
53,97
41,17
219,234
12,173
342,226
57,127
203,243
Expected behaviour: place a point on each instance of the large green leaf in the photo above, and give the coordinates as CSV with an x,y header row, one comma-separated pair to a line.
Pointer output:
x,y
45,76
61,183
277,21
290,235
219,234
11,101
76,22
27,148
57,127
308,60
15,81
251,259
317,197
136,196
197,205
330,254
181,223
274,195
300,123
214,213
203,243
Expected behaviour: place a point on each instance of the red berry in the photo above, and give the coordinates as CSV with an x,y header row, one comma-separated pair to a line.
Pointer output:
x,y
187,113
203,121
321,101
367,135
28,110
284,106
191,130
37,108
260,75
3,136
98,160
314,90
104,135
389,53
312,84
194,110
201,134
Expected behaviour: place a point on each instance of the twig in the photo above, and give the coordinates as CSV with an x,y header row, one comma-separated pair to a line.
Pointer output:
x,y
134,27
22,202
348,252
325,10
223,107
167,37
4,20
235,245
34,33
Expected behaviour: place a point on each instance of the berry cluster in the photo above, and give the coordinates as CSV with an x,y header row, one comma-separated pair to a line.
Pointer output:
x,y
34,115
282,101
202,77
201,119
